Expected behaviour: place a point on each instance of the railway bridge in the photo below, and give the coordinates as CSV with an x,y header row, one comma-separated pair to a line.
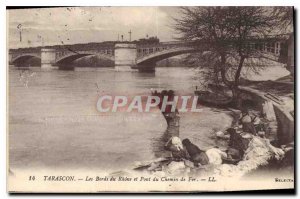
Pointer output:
x,y
144,56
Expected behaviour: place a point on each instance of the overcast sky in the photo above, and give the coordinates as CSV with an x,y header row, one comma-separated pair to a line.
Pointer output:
x,y
50,26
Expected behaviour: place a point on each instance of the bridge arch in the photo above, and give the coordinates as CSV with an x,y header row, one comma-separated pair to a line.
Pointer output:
x,y
23,58
161,55
72,57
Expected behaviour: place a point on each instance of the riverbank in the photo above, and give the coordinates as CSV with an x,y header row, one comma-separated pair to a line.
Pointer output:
x,y
261,154
277,103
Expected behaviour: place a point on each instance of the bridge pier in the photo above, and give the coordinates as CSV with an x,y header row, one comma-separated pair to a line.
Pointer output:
x,y
125,56
47,58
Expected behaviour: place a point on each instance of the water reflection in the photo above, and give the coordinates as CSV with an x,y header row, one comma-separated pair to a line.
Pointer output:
x,y
144,74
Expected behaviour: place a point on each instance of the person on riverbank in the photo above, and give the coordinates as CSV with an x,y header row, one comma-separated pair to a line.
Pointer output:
x,y
247,122
237,145
175,145
216,156
197,155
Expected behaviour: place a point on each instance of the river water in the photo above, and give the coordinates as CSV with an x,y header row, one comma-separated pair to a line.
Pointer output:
x,y
54,123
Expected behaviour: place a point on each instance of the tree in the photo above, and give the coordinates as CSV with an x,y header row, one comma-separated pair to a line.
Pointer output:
x,y
228,33
284,16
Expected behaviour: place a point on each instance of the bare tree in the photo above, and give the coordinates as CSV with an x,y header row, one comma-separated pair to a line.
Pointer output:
x,y
284,16
229,34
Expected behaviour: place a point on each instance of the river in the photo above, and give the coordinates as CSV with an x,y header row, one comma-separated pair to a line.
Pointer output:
x,y
54,123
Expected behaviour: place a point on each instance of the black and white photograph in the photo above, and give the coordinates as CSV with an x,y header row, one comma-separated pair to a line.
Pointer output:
x,y
163,99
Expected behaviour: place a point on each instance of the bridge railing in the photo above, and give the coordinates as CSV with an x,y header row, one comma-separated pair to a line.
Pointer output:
x,y
143,50
67,52
274,46
60,52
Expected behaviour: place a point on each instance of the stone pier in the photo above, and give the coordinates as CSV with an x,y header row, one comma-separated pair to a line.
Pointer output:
x,y
125,56
48,58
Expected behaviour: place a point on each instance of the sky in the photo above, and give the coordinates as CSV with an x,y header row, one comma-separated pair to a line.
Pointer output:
x,y
69,25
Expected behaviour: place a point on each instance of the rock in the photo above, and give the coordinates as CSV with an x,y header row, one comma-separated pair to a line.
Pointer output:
x,y
146,164
189,164
222,135
186,171
153,166
226,170
175,167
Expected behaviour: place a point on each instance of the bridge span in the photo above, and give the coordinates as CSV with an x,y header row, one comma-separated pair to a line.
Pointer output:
x,y
137,56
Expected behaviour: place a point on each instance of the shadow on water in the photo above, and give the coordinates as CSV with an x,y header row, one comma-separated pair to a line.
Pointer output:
x,y
67,67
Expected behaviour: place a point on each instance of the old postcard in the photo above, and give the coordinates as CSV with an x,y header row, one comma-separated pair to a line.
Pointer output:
x,y
150,99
